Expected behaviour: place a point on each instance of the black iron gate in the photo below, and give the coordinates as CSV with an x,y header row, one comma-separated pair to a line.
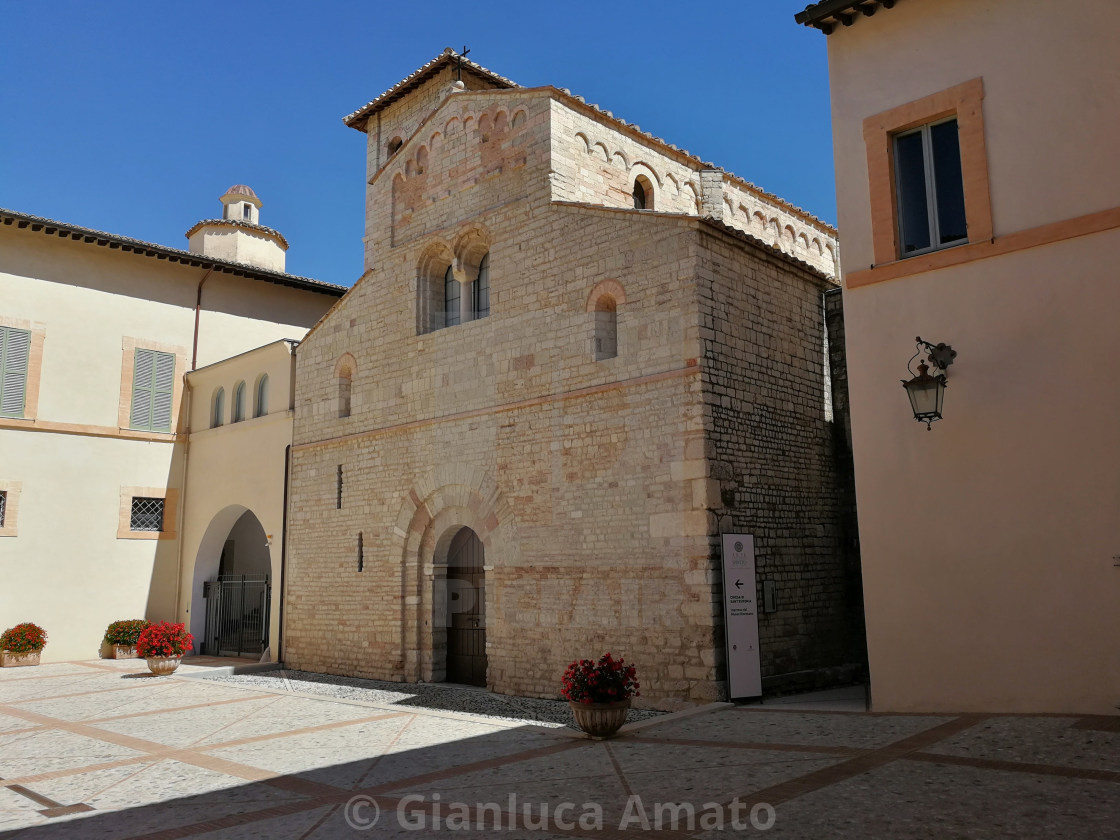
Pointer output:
x,y
237,611
466,635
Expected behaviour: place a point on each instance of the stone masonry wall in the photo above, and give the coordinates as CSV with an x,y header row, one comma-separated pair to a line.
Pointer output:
x,y
404,116
583,478
773,453
596,487
595,162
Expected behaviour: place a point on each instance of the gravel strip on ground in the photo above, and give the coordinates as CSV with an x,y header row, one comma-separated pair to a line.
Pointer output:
x,y
437,697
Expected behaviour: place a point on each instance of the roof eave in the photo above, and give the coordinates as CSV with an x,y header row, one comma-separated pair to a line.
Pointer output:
x,y
48,227
826,15
357,120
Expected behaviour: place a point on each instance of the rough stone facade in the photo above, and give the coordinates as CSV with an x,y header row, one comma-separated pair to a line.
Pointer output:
x,y
598,486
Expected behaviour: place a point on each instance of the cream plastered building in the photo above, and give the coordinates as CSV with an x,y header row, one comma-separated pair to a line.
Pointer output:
x,y
576,356
98,332
979,201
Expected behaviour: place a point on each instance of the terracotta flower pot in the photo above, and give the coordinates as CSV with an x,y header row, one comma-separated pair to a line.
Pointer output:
x,y
19,660
600,720
125,652
162,666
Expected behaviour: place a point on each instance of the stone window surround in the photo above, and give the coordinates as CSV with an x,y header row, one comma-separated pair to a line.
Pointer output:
x,y
11,507
170,496
463,257
34,363
964,101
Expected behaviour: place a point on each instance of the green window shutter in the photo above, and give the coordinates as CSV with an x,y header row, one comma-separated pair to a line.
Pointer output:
x,y
15,351
162,392
142,372
153,386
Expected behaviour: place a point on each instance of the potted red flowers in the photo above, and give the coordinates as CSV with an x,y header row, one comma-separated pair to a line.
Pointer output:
x,y
599,693
163,645
123,636
22,644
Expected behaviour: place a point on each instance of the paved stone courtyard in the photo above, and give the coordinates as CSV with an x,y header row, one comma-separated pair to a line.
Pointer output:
x,y
101,750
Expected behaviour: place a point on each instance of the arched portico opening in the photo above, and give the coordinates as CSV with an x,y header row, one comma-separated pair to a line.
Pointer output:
x,y
232,587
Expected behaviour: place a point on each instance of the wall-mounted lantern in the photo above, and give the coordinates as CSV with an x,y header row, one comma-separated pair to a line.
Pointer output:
x,y
927,393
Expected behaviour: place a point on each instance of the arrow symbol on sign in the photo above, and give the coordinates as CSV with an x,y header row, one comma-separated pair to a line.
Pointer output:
x,y
738,584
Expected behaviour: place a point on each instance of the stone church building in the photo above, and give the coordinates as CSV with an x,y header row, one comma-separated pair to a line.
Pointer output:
x,y
576,356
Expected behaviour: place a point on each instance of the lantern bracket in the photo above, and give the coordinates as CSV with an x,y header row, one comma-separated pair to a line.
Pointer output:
x,y
940,355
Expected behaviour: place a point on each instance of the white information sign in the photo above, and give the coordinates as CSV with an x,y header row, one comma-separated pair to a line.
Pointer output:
x,y
740,617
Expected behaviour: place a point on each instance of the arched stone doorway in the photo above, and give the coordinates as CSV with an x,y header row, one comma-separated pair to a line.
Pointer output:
x,y
466,609
232,589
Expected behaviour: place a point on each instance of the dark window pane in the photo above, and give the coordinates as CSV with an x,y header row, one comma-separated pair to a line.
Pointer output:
x,y
451,293
639,196
482,289
910,171
949,190
147,514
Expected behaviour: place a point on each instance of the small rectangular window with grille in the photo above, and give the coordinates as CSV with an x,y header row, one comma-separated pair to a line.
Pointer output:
x,y
3,506
147,514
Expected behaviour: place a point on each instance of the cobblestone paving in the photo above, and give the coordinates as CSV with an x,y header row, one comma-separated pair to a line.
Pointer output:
x,y
98,750
427,696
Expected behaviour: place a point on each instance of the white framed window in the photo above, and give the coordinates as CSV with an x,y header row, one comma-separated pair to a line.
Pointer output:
x,y
238,403
153,390
930,188
247,212
15,353
218,408
260,407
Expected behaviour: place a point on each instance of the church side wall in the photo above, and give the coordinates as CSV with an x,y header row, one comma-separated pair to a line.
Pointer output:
x,y
776,226
773,456
595,163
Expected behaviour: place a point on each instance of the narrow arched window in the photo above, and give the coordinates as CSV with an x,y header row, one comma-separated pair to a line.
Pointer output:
x,y
218,408
451,295
344,380
239,402
261,407
480,289
643,193
606,328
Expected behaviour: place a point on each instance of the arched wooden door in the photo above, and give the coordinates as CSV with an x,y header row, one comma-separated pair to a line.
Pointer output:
x,y
466,632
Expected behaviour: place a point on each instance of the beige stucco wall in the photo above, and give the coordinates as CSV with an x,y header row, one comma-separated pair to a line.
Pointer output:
x,y
988,544
235,468
65,567
239,245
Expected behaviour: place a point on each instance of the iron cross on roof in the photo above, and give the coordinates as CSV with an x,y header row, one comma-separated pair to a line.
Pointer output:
x,y
459,60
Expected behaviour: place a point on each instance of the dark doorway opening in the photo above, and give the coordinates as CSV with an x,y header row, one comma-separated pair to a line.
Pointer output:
x,y
466,601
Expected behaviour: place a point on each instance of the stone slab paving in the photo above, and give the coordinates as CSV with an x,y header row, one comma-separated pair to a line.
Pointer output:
x,y
99,751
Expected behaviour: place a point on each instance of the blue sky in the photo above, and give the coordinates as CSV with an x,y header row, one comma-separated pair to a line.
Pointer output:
x,y
134,117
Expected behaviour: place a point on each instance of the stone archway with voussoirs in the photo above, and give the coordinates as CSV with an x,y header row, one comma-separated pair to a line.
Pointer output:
x,y
441,502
